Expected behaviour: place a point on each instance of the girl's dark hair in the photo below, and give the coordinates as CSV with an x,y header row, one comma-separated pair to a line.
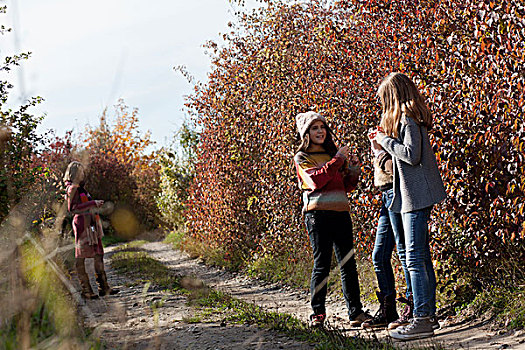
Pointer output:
x,y
328,144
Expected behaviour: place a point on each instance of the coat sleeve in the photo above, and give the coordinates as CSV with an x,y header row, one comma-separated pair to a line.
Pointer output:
x,y
315,177
73,200
408,149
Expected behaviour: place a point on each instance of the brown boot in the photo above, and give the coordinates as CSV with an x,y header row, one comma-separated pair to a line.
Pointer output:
x,y
386,313
87,292
390,306
406,315
102,281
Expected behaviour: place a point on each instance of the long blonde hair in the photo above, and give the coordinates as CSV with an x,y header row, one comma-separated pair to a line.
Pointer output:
x,y
72,173
399,96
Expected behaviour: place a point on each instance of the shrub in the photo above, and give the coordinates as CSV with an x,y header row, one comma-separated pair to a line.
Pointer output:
x,y
465,56
119,167
19,140
177,170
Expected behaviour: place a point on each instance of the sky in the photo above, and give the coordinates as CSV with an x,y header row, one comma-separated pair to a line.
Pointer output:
x,y
88,54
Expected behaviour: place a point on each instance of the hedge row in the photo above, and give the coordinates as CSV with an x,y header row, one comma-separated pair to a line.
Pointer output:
x,y
467,57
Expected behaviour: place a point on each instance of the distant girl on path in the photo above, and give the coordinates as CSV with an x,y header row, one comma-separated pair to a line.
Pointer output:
x,y
325,179
417,187
88,231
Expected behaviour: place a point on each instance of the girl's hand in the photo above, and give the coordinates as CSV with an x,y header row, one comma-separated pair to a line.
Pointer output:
x,y
343,151
372,136
353,168
376,147
372,132
354,160
99,202
380,136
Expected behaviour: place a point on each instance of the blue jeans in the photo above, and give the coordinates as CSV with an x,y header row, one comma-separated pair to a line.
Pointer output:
x,y
389,230
418,261
331,231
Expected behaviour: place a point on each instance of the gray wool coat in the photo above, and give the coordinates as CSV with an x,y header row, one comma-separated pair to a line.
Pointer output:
x,y
417,182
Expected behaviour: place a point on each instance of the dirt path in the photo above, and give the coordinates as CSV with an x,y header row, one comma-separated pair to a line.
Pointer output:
x,y
128,321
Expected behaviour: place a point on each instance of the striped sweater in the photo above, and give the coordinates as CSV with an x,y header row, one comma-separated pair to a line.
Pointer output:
x,y
323,182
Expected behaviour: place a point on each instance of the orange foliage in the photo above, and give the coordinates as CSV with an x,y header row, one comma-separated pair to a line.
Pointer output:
x,y
466,57
121,170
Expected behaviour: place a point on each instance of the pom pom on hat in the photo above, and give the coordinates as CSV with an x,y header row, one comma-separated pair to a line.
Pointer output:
x,y
304,120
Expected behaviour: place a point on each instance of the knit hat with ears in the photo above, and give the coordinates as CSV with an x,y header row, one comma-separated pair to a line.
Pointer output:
x,y
304,120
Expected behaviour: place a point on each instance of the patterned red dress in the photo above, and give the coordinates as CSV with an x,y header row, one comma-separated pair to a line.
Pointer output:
x,y
88,232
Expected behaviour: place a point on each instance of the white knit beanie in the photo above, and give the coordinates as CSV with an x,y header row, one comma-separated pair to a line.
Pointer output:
x,y
304,120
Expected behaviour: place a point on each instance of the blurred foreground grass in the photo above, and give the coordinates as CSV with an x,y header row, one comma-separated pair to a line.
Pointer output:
x,y
38,310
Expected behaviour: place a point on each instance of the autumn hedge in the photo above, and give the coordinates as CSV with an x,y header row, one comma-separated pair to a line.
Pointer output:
x,y
465,56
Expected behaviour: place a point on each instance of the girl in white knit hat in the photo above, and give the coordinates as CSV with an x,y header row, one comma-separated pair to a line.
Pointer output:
x,y
325,178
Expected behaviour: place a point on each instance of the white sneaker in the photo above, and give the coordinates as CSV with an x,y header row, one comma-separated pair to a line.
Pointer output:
x,y
435,322
419,327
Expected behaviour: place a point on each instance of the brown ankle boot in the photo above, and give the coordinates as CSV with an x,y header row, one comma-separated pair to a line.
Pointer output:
x,y
102,281
87,292
390,307
406,315
103,286
386,312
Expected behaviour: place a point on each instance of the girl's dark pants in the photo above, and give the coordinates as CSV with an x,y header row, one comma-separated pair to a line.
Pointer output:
x,y
331,231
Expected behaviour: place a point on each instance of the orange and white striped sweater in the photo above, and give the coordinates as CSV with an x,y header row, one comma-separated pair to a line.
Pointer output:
x,y
324,183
